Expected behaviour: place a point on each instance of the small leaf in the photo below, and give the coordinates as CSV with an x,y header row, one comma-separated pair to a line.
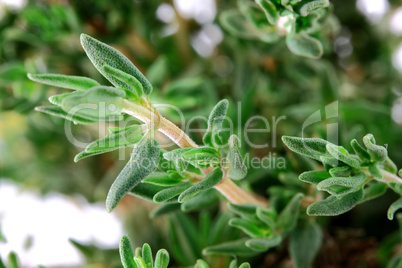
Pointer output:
x,y
101,54
396,187
343,171
57,99
140,262
303,44
171,192
374,190
64,81
245,265
377,153
201,156
162,259
126,253
314,177
215,121
375,170
310,147
247,211
237,247
249,227
342,155
129,81
311,6
393,208
85,154
147,255
353,181
263,244
12,260
304,245
59,112
333,206
360,151
210,180
164,209
237,168
201,264
162,179
267,216
142,162
288,217
146,191
269,9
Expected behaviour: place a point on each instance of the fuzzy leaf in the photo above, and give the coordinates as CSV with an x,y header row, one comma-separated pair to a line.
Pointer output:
x,y
396,187
85,154
288,217
314,177
374,190
310,147
247,211
129,81
101,54
304,245
237,247
162,259
143,161
375,170
210,180
333,206
248,226
304,45
237,168
360,151
393,208
59,112
353,181
201,156
165,209
140,262
311,6
342,155
64,81
57,99
96,103
171,192
211,137
267,216
126,253
263,244
147,255
377,153
202,200
343,171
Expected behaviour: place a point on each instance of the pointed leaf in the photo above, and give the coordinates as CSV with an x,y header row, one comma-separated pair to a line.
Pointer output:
x,y
269,9
101,54
162,179
342,155
249,227
288,217
215,121
303,44
263,244
143,161
237,168
360,151
64,81
59,112
237,247
310,147
171,192
129,81
203,200
314,177
353,181
212,179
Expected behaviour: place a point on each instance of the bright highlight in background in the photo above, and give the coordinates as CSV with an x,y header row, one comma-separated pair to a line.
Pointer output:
x,y
373,10
48,222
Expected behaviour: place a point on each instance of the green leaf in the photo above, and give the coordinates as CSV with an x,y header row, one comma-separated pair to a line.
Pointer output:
x,y
393,208
311,6
353,181
237,168
59,112
96,103
143,161
211,137
267,216
375,170
342,155
171,192
140,262
247,211
202,200
201,156
162,259
314,177
304,245
129,81
396,187
342,171
57,99
374,190
333,206
263,244
288,217
126,253
377,153
85,154
147,255
101,54
269,9
123,138
245,265
304,45
360,151
310,147
201,264
249,227
12,260
237,247
210,180
64,81
162,179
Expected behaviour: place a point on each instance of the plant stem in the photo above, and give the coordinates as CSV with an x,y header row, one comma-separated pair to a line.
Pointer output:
x,y
388,177
226,187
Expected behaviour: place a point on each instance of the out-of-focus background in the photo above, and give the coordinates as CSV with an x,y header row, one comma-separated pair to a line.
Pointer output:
x,y
52,209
